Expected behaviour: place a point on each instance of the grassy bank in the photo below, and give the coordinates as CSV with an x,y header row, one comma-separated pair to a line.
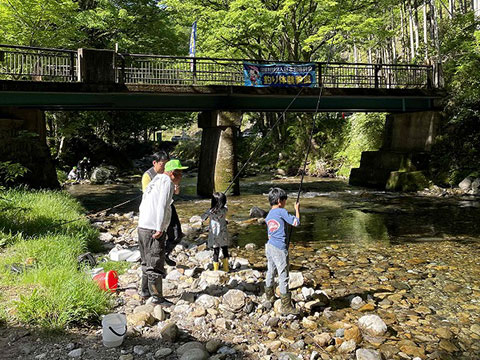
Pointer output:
x,y
50,291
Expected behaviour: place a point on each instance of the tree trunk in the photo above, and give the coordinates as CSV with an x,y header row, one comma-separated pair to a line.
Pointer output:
x,y
425,37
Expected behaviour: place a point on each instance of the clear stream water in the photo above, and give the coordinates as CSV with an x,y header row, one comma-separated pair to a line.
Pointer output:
x,y
331,211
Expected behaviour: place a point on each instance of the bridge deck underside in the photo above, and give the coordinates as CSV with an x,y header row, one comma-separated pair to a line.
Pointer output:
x,y
79,96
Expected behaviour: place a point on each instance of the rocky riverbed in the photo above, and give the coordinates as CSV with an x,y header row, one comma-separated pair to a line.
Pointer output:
x,y
411,300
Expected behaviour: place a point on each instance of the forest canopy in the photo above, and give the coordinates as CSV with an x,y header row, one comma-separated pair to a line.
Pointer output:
x,y
443,33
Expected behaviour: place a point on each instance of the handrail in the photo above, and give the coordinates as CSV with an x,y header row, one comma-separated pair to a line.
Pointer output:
x,y
36,48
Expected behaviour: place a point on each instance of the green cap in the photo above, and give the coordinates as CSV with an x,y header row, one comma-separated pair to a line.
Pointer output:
x,y
174,165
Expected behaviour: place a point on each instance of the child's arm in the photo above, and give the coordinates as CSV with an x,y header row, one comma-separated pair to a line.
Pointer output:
x,y
297,210
205,215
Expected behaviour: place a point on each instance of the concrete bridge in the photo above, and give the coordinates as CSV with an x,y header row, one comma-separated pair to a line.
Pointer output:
x,y
37,79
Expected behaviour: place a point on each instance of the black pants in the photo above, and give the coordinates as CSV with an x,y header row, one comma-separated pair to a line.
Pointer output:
x,y
216,253
174,232
152,253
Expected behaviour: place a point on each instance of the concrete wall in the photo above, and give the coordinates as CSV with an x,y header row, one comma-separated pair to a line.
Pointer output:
x,y
411,131
399,164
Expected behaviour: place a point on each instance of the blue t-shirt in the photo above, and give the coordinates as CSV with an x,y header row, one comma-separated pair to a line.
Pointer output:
x,y
276,220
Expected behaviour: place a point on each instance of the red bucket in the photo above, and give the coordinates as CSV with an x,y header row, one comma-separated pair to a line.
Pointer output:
x,y
107,281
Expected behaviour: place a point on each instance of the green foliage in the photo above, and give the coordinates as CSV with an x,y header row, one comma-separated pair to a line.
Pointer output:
x,y
52,291
10,171
456,152
188,149
363,132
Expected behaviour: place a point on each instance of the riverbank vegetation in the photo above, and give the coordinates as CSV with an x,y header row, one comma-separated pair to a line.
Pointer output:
x,y
384,31
41,281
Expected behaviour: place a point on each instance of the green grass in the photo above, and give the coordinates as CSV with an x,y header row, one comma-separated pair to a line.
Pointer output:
x,y
52,292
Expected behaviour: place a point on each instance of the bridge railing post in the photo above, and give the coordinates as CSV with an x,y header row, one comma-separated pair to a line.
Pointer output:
x,y
72,66
319,76
430,77
377,80
194,70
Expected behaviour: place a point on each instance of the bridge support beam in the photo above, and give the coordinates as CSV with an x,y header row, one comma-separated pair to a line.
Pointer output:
x,y
218,157
399,164
23,139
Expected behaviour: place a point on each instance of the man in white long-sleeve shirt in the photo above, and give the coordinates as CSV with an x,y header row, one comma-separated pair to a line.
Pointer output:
x,y
153,221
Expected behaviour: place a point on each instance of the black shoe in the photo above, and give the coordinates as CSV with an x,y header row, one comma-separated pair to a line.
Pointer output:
x,y
160,300
170,262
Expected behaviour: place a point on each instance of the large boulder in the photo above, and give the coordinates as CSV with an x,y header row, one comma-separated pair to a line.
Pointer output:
x,y
103,173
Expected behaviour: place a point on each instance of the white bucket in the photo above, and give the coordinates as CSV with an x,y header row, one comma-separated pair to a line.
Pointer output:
x,y
114,329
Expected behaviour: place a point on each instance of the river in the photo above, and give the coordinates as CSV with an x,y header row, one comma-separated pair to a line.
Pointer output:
x,y
413,258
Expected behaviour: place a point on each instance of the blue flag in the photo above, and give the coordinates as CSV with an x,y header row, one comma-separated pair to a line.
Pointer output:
x,y
193,39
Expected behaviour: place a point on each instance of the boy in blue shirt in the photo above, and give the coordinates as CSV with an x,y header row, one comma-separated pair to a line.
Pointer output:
x,y
276,248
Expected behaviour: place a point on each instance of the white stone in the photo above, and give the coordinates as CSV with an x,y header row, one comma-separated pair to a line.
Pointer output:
x,y
234,299
357,302
204,256
174,275
196,219
106,236
207,301
373,325
139,349
307,292
368,354
347,346
296,280
76,353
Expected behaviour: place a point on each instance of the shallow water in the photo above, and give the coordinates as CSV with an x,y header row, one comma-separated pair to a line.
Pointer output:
x,y
331,211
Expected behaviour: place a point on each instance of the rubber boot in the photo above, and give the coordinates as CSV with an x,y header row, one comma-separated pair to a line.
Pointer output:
x,y
286,307
144,292
270,294
155,288
225,265
216,266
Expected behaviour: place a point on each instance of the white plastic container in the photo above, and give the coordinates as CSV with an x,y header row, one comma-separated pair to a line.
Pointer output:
x,y
114,329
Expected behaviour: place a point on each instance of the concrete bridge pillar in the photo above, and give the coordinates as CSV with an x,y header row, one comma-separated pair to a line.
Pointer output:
x,y
23,139
399,164
218,157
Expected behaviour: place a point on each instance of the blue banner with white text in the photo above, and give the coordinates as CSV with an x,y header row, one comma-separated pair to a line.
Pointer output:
x,y
279,75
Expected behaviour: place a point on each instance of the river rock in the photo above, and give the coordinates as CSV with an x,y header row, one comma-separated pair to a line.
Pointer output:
x,y
322,339
204,256
353,333
75,353
214,277
356,303
234,299
140,319
465,184
174,275
347,346
158,313
103,173
373,325
169,332
139,349
476,186
213,345
295,280
256,212
190,346
207,301
251,246
195,354
144,308
367,354
161,353
196,219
